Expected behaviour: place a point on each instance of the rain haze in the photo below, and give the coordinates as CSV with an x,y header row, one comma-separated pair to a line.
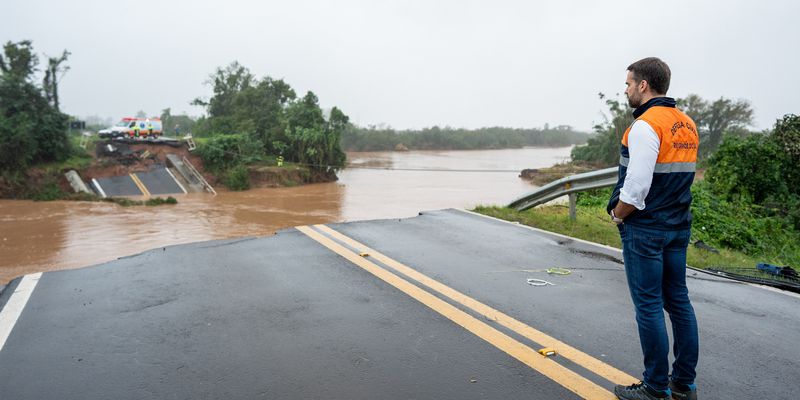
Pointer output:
x,y
414,64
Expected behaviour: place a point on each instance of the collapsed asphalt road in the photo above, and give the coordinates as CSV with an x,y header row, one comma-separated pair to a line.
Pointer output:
x,y
436,306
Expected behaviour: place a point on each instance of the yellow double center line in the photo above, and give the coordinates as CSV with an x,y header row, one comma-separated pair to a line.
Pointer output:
x,y
140,185
546,366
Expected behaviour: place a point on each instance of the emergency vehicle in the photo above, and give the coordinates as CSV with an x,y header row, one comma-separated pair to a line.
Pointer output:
x,y
133,128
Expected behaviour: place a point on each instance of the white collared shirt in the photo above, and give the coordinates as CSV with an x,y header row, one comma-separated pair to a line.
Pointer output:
x,y
643,147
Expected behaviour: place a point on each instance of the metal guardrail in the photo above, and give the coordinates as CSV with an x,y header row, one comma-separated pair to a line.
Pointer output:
x,y
568,185
202,180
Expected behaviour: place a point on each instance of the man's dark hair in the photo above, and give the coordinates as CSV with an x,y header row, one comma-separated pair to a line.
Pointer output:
x,y
654,71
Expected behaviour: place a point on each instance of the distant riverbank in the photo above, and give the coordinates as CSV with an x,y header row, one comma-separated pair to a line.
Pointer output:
x,y
51,235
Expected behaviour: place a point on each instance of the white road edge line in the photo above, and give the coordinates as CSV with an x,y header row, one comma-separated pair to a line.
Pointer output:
x,y
176,181
97,185
543,231
15,304
771,289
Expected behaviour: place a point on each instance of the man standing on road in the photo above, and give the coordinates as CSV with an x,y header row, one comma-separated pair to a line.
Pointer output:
x,y
650,205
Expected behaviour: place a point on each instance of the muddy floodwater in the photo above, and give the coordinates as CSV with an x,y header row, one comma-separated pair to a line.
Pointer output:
x,y
45,236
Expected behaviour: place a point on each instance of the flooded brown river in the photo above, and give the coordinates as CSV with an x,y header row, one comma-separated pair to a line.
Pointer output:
x,y
44,236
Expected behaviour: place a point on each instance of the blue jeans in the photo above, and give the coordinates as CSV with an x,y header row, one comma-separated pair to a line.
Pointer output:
x,y
655,265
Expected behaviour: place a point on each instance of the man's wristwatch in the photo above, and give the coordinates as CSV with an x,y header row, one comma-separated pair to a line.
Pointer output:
x,y
615,219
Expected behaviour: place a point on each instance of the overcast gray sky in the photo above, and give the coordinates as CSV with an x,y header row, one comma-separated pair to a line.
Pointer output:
x,y
412,64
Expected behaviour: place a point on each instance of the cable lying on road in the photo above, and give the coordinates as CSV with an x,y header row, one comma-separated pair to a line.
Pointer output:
x,y
792,287
539,282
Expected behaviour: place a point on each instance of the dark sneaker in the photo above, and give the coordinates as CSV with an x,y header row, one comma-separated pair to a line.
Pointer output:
x,y
639,391
683,392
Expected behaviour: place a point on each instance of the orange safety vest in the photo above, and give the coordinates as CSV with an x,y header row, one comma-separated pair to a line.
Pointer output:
x,y
668,201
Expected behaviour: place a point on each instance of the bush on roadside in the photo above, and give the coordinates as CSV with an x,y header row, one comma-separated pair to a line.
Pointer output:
x,y
761,170
48,192
735,224
748,168
741,225
222,152
594,198
237,178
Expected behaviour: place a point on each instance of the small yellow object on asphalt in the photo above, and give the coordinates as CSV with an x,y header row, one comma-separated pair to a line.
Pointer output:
x,y
547,352
363,254
558,271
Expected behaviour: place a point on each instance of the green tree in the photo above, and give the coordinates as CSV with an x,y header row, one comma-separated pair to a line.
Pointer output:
x,y
313,140
760,170
19,61
305,113
748,167
169,122
786,135
714,120
32,130
226,83
55,71
265,116
603,148
717,119
260,110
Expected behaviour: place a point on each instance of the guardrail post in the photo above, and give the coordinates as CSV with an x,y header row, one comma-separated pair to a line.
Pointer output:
x,y
573,204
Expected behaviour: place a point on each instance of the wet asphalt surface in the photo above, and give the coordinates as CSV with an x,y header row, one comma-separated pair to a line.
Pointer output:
x,y
158,181
122,185
284,317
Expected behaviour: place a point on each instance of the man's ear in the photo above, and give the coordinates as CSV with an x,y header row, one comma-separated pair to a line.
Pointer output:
x,y
643,85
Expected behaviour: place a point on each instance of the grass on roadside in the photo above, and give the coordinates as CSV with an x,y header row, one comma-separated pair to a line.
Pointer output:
x,y
592,224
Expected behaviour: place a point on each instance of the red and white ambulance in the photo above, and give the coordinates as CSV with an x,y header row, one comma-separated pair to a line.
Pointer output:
x,y
130,127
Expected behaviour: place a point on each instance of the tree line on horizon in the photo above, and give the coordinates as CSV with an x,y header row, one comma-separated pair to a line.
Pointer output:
x,y
374,138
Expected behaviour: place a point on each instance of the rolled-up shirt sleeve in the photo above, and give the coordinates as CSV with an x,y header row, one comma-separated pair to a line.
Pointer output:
x,y
643,146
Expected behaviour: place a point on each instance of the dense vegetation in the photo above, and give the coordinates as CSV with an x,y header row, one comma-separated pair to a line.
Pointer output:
x,y
748,204
179,125
735,224
34,141
32,129
435,138
759,175
714,119
251,120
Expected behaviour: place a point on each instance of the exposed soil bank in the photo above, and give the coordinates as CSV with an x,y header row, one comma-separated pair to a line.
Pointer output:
x,y
49,183
270,176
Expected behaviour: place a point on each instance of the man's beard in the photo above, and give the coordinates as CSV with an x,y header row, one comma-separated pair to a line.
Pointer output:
x,y
634,103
